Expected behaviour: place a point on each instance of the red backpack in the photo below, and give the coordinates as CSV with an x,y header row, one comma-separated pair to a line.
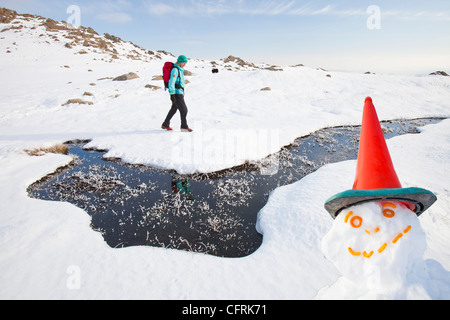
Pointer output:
x,y
167,71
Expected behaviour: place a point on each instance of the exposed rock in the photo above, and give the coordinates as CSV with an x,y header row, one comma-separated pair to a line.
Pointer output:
x,y
77,101
125,77
238,61
76,37
154,88
53,25
13,28
439,73
7,16
166,53
91,31
112,38
266,89
273,68
244,64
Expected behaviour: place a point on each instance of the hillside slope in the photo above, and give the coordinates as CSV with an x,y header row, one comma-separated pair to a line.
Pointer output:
x,y
49,66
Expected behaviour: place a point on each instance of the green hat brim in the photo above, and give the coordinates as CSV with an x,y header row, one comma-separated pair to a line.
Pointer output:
x,y
421,199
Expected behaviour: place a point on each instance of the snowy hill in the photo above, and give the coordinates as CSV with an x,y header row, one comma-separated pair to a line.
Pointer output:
x,y
55,64
58,84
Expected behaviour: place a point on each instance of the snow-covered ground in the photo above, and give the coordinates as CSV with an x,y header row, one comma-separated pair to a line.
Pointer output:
x,y
49,249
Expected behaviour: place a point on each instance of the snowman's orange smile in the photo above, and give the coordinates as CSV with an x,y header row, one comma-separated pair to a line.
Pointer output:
x,y
356,222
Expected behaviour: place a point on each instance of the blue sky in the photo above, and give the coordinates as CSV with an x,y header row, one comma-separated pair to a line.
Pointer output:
x,y
405,36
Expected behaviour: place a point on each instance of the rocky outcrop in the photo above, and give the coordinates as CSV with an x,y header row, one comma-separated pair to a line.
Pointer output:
x,y
78,101
83,40
126,77
152,87
239,61
244,65
7,16
439,73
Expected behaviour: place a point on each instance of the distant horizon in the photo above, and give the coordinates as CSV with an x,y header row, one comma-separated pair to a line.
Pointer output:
x,y
407,38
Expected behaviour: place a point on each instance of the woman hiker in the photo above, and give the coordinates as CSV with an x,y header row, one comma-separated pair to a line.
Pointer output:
x,y
176,90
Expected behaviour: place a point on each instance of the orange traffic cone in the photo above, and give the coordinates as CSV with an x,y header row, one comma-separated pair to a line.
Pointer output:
x,y
375,169
376,179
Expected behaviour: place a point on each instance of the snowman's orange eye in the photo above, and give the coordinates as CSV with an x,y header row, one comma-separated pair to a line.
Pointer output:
x,y
356,222
388,213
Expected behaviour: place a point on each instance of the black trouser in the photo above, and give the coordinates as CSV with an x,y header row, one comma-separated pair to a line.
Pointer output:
x,y
178,104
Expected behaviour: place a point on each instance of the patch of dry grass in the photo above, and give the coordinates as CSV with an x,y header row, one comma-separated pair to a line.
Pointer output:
x,y
78,101
57,149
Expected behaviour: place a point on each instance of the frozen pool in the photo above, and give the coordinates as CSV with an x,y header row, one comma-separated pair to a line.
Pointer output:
x,y
215,213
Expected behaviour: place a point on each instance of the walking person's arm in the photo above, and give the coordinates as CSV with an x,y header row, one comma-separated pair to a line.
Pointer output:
x,y
173,81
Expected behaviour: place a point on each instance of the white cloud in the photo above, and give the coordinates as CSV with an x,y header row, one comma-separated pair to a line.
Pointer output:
x,y
219,7
269,8
243,7
193,43
115,17
416,16
159,9
278,8
112,11
324,10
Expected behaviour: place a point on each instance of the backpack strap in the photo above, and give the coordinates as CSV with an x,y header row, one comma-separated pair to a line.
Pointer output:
x,y
177,86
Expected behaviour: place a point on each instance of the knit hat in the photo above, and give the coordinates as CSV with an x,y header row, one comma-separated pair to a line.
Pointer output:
x,y
182,59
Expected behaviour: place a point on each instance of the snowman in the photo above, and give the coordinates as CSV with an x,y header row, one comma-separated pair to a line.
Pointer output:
x,y
376,240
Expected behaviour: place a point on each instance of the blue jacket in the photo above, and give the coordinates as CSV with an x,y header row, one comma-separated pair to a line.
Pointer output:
x,y
177,77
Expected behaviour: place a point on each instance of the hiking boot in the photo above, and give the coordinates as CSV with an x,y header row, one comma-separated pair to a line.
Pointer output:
x,y
186,130
166,128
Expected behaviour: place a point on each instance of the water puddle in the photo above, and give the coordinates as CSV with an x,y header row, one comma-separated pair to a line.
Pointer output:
x,y
216,213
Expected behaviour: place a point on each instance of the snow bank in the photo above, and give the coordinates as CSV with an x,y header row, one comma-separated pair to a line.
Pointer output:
x,y
49,250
